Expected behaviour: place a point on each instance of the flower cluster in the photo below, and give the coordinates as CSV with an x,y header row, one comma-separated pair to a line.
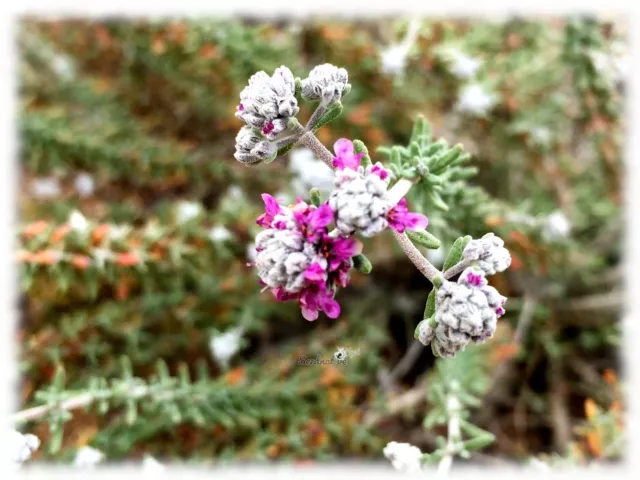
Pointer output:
x,y
251,149
488,253
20,446
466,311
361,200
268,103
327,83
298,259
404,456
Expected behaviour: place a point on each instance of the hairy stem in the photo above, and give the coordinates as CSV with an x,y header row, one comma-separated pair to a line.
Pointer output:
x,y
453,436
317,115
456,269
410,250
310,141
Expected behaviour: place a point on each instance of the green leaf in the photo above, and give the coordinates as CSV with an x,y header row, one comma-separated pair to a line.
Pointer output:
x,y
333,112
362,264
455,254
479,442
430,305
314,196
283,151
437,201
360,147
424,239
447,159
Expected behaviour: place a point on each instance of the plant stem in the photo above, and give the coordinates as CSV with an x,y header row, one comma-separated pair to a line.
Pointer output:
x,y
310,141
453,436
410,250
456,269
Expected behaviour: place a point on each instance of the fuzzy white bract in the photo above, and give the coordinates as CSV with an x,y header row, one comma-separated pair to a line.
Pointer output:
x,y
45,187
226,345
20,446
475,100
88,457
403,456
84,184
488,253
309,172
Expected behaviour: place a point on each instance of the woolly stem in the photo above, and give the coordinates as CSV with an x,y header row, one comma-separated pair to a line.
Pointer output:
x,y
317,115
453,436
422,264
310,141
457,268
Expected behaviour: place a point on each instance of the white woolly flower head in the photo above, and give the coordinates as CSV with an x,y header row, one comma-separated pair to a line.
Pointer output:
x,y
88,457
476,100
268,103
326,82
251,149
488,253
309,173
226,345
360,201
556,226
404,457
20,446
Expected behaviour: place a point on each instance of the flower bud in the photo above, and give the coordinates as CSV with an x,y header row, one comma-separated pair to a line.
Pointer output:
x,y
327,83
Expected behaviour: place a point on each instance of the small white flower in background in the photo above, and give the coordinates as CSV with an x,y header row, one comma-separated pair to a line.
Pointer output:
x,y
235,192
88,457
45,187
540,135
226,345
462,65
309,172
84,184
150,464
403,456
20,446
188,211
475,100
63,67
78,222
219,234
538,465
251,252
393,59
556,226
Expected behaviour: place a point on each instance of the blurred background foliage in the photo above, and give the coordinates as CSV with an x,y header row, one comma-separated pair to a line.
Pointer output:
x,y
130,124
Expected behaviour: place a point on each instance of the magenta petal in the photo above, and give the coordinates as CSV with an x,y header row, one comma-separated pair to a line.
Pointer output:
x,y
314,273
321,217
310,314
344,248
343,147
330,307
416,221
271,205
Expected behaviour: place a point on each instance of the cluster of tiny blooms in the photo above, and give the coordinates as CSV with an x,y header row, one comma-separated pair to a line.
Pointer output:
x,y
268,103
299,260
403,456
488,253
361,201
466,311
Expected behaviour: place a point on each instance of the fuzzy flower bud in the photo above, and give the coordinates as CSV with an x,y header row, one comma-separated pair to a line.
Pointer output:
x,y
361,200
251,149
268,103
20,446
327,83
465,311
488,253
403,456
